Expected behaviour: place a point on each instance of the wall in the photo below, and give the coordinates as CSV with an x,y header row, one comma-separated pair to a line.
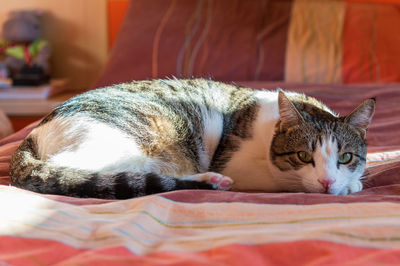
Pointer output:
x,y
77,31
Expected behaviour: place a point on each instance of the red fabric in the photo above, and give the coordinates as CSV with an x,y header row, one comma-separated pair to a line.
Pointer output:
x,y
225,40
219,39
20,251
371,43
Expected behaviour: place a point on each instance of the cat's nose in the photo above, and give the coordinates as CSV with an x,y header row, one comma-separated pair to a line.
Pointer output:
x,y
326,182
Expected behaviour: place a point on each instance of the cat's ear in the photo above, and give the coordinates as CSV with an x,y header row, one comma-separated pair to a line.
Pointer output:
x,y
289,116
362,115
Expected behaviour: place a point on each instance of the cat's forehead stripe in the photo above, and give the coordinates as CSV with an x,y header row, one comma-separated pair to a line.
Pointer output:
x,y
328,146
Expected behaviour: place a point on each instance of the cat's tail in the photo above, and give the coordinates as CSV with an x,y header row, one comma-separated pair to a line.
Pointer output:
x,y
29,171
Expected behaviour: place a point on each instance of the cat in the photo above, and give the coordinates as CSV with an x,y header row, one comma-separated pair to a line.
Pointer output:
x,y
144,137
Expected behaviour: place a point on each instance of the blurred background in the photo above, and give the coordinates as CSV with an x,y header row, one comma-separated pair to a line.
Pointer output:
x,y
77,33
80,35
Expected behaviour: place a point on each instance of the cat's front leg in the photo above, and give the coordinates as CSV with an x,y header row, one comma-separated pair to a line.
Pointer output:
x,y
352,187
218,181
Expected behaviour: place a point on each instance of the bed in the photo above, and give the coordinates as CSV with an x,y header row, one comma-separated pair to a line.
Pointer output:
x,y
204,227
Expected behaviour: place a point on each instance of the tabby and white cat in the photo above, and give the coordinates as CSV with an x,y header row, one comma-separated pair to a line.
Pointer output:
x,y
146,137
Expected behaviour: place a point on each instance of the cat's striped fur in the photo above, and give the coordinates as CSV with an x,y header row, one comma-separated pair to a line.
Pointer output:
x,y
152,136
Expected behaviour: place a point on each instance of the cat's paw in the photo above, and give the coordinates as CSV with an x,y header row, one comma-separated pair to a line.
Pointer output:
x,y
352,187
218,181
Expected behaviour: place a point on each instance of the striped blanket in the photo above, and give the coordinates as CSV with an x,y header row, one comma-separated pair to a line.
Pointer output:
x,y
219,227
159,230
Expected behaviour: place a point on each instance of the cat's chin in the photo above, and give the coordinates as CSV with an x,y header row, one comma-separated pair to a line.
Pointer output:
x,y
352,187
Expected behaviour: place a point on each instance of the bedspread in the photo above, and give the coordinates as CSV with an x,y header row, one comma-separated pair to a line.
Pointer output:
x,y
220,227
160,230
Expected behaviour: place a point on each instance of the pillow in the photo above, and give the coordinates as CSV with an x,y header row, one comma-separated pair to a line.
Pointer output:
x,y
343,42
224,39
306,41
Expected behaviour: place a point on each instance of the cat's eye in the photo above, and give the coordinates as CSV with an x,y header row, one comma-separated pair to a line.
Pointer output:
x,y
305,157
345,158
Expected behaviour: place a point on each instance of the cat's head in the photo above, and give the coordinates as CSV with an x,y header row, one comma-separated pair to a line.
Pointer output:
x,y
317,151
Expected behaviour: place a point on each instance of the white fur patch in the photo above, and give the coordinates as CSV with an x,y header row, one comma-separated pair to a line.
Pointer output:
x,y
213,125
325,159
250,166
84,143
